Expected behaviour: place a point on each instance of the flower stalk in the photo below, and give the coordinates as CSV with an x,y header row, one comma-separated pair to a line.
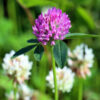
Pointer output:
x,y
54,74
80,94
15,91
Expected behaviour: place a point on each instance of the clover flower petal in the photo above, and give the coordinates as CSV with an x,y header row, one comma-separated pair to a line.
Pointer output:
x,y
81,59
51,26
65,79
19,67
23,93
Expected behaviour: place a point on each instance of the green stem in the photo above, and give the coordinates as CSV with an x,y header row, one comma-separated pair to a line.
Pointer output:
x,y
54,75
15,91
80,95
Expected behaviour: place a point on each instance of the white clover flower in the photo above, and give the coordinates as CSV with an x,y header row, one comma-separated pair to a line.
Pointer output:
x,y
19,67
65,79
81,59
23,93
79,52
10,96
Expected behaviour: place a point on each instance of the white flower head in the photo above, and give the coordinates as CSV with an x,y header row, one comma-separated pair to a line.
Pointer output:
x,y
18,67
81,59
10,96
65,79
23,93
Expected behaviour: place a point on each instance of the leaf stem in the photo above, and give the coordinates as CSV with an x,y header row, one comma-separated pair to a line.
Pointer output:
x,y
80,95
54,74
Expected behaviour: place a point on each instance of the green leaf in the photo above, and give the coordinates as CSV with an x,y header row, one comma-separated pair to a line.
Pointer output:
x,y
79,35
60,53
23,50
38,52
32,3
33,41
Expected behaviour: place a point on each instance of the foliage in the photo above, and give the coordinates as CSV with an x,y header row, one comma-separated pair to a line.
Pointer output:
x,y
60,53
15,30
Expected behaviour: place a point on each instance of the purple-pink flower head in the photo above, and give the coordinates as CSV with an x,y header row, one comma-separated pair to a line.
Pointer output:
x,y
53,25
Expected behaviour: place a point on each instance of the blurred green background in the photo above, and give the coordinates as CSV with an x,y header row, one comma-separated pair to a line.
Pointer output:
x,y
16,20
